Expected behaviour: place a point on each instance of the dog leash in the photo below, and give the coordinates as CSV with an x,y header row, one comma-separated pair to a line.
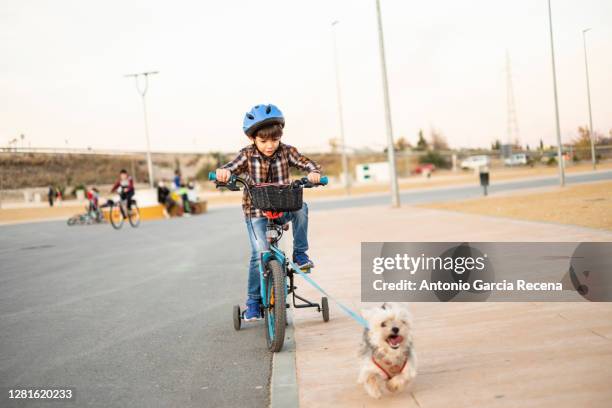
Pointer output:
x,y
344,308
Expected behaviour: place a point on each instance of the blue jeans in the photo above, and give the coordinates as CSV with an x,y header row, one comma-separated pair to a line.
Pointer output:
x,y
259,244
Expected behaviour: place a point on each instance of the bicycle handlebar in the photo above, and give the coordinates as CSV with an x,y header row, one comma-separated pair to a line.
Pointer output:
x,y
212,176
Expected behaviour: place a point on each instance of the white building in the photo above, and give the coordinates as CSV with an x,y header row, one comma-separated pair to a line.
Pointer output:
x,y
372,172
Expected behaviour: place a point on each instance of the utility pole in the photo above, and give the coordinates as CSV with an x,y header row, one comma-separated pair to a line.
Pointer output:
x,y
513,129
345,169
143,93
395,200
591,130
554,71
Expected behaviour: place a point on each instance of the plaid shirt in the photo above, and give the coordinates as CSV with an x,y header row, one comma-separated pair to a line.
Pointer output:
x,y
262,169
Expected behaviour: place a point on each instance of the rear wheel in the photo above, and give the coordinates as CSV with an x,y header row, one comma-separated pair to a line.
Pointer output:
x,y
275,314
115,215
134,215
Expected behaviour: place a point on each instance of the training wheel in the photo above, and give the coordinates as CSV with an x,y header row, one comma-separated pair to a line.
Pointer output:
x,y
325,309
237,317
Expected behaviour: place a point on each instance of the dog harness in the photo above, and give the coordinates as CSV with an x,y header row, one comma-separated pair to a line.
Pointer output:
x,y
389,376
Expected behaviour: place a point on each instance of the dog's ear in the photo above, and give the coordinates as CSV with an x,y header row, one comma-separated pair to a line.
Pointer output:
x,y
384,306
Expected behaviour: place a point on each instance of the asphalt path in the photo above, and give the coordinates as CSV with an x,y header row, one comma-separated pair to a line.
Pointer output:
x,y
142,317
136,317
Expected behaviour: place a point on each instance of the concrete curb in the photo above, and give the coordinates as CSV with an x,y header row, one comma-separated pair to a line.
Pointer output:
x,y
283,384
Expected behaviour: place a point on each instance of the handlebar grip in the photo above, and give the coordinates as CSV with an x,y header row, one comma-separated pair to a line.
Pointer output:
x,y
212,176
323,180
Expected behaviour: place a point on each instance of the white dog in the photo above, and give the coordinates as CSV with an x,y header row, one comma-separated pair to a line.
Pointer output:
x,y
389,358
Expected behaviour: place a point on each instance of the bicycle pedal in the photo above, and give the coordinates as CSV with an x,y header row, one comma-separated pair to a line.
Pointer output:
x,y
304,270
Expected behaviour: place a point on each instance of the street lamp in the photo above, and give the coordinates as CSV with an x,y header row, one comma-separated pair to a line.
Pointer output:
x,y
586,67
395,200
554,71
143,93
345,170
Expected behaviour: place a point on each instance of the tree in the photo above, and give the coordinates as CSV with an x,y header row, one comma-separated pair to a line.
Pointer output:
x,y
402,144
422,143
582,143
496,145
435,158
438,141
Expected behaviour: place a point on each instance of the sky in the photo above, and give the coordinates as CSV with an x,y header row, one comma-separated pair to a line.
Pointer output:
x,y
62,67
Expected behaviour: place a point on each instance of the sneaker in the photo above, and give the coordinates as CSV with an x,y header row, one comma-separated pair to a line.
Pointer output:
x,y
302,261
253,312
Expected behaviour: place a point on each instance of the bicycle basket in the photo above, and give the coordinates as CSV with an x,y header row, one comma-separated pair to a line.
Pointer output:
x,y
276,197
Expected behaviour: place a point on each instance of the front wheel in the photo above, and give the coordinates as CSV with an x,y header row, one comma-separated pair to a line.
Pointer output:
x,y
116,216
134,215
275,314
72,220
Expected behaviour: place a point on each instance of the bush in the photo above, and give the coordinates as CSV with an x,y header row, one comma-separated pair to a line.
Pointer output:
x,y
436,159
78,187
551,161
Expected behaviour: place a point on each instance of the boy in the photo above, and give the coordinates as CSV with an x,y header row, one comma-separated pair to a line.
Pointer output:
x,y
125,187
93,197
267,160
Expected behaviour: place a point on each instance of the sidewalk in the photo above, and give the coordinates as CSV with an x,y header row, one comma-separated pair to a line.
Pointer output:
x,y
470,354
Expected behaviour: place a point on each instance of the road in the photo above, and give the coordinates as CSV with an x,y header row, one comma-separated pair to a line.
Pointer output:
x,y
137,317
142,317
426,195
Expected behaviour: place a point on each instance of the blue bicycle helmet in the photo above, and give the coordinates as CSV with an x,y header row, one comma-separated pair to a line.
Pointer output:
x,y
260,116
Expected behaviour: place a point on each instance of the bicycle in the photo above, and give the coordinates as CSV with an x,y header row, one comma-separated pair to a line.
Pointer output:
x,y
275,269
118,212
88,218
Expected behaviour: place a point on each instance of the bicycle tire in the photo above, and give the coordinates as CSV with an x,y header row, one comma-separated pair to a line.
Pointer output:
x,y
134,215
72,220
115,216
325,309
237,317
275,315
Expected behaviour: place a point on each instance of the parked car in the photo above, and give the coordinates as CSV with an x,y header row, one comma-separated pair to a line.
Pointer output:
x,y
474,162
517,159
424,168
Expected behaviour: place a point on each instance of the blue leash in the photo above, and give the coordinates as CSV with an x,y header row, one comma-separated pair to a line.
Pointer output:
x,y
346,310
